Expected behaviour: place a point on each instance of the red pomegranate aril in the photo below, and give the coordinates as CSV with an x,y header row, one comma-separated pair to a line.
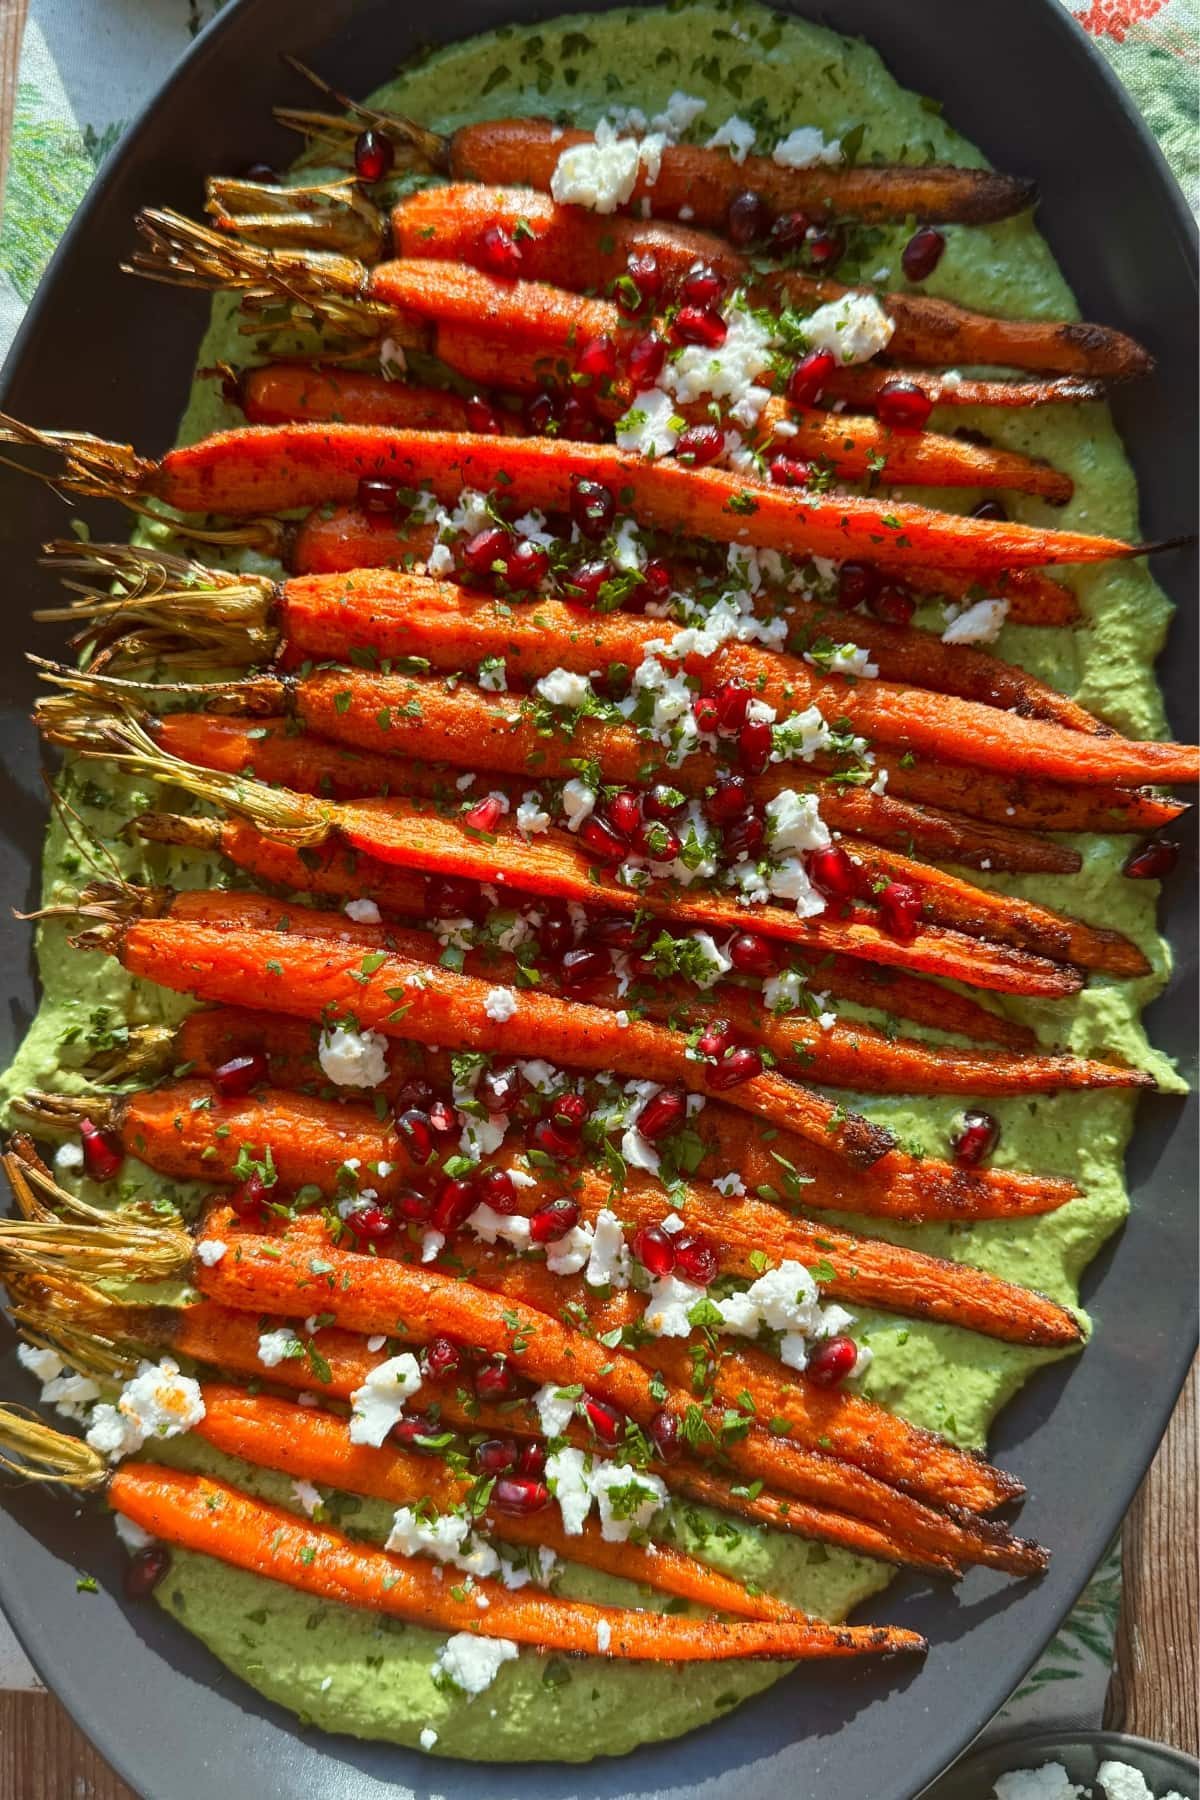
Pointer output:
x,y
833,872
597,359
716,1038
705,714
101,1155
664,1435
452,897
568,1113
602,841
733,703
144,1570
442,1120
755,744
416,1093
657,842
584,584
440,1359
592,507
485,814
499,252
825,249
806,383
744,837
608,1422
374,154
696,1259
699,325
583,967
742,1064
577,421
654,1249
539,414
857,583
624,812
990,509
556,933
378,497
1153,861
900,908
748,218
664,804
551,1222
414,1207
414,1128
645,358
974,1136
663,1112
495,1381
498,1190
249,1197
789,472
500,1089
831,1362
481,553
702,285
372,1224
790,230
656,579
520,1495
922,253
893,604
700,445
526,566
241,1073
728,800
617,931
545,1137
496,1456
532,1459
643,283
751,954
903,405
410,1428
481,416
456,1199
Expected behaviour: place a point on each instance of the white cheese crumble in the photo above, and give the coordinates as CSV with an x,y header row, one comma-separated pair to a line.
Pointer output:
x,y
306,1496
532,818
667,1307
736,135
853,329
379,1402
678,115
491,1226
131,1534
446,1537
730,1185
493,675
729,373
554,1408
603,1635
781,993
1121,1782
500,1005
68,1393
578,803
68,1158
158,1403
472,1663
561,687
363,912
805,148
353,1058
428,1737
1050,1782
845,659
627,1499
608,1263
794,822
570,1253
210,1251
279,1346
646,429
711,963
977,624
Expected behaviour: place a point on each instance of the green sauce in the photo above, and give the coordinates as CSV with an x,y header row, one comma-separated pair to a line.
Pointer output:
x,y
348,1671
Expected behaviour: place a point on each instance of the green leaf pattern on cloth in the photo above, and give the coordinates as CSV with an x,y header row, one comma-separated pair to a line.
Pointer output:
x,y
87,66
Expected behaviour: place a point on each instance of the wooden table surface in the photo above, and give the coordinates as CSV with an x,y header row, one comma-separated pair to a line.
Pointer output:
x,y
1154,1686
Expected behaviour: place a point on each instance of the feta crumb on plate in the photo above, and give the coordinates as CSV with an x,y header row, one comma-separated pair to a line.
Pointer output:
x,y
353,1058
500,1005
472,1663
977,624
805,147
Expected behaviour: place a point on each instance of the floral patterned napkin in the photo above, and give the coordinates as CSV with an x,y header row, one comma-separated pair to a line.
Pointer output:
x,y
87,67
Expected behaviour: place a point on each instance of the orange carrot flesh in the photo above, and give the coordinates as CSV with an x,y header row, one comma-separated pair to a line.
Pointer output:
x,y
197,1513
314,1446
1033,805
1033,598
859,384
273,393
529,315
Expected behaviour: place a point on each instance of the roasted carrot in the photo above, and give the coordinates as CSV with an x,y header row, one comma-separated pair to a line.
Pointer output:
x,y
314,1446
859,383
275,392
1033,598
1026,804
197,1513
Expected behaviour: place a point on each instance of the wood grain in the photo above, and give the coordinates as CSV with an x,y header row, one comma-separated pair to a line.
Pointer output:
x,y
44,1757
12,25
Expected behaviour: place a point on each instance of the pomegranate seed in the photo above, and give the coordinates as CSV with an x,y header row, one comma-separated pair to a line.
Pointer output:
x,y
656,577
546,1137
520,1494
657,842
440,1359
789,472
101,1155
751,954
539,414
654,1249
900,910
748,218
583,968
442,1120
893,604
568,1113
144,1570
664,1435
415,1093
700,445
835,874
702,285
831,1362
416,1131
597,359
496,1456
922,253
806,383
826,248
498,1190
241,1073
740,1065
790,230
532,1460
603,842
412,1206
499,252
584,584
248,1199
744,838
372,1224
624,812
481,416
728,800
903,405
500,1089
456,1199
592,507
975,1135
663,1112
495,1381
556,933
990,509
452,897
484,815
755,744
578,421
606,1421
699,325
642,284
617,931
481,553
263,172
695,1258
857,582
664,804
716,1038
526,566
705,714
733,703
1154,861
374,154
378,497
410,1427
644,359
554,1220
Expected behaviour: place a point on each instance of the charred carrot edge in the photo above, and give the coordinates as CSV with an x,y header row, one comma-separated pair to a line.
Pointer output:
x,y
525,152
1031,805
315,1446
273,393
1033,598
197,1513
859,384
929,330
531,316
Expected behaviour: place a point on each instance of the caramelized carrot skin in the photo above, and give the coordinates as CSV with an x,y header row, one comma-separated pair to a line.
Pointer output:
x,y
273,393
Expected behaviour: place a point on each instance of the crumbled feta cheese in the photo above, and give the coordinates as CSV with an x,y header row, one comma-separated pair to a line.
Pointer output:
x,y
555,1410
731,1184
627,1499
493,675
376,1341
568,1482
43,1364
481,1137
432,1244
472,1663
800,736
379,1402
805,148
678,115
543,1077
844,659
627,550
781,993
392,360
68,1158
853,329
490,1225
1122,1782
950,378
446,1537
578,803
306,1496
603,1635
670,1300
561,687
131,1534
783,1299
790,881
210,1251
794,822
500,1004
159,1402
602,174
1050,1782
531,817
711,963
570,1253
428,1737
608,1263
275,1347
353,1058
68,1393
977,624
730,373
363,912
646,429
737,136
